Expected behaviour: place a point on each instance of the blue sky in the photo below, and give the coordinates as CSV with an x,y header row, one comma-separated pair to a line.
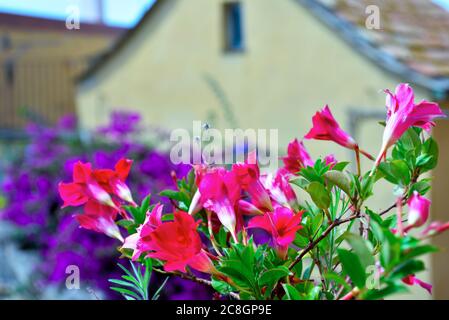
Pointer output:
x,y
444,3
116,12
123,13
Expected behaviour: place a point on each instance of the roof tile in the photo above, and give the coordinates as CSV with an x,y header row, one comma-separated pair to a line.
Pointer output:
x,y
413,31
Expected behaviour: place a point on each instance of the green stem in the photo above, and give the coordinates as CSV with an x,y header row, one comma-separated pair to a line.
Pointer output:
x,y
357,158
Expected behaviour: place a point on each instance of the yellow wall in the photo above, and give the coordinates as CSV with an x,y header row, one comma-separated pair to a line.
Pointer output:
x,y
292,66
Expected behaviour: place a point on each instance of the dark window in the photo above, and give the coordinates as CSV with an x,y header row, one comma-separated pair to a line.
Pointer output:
x,y
6,43
233,26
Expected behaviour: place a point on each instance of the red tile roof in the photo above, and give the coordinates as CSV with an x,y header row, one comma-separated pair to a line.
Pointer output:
x,y
415,32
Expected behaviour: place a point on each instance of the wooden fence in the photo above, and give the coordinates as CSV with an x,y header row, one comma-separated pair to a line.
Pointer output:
x,y
43,90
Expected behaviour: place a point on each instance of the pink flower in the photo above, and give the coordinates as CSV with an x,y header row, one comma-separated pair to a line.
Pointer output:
x,y
137,241
413,280
248,177
330,161
200,171
83,188
248,208
219,192
297,157
100,185
99,191
282,224
99,218
435,227
325,127
113,181
418,212
279,188
403,113
176,242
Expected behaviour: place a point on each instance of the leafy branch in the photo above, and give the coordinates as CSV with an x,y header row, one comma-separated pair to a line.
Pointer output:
x,y
135,285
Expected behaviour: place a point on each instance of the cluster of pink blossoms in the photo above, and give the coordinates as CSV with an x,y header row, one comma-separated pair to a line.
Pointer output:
x,y
101,192
228,195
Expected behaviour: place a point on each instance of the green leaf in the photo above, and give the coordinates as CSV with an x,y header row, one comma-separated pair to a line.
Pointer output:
x,y
396,172
430,148
191,179
137,215
340,180
127,293
407,268
291,293
391,289
241,264
352,267
361,248
297,269
311,174
333,276
391,249
168,217
367,185
300,182
410,141
314,293
159,290
319,195
340,166
221,286
134,285
300,240
125,223
273,275
419,251
421,186
222,237
423,160
122,283
308,271
145,205
175,195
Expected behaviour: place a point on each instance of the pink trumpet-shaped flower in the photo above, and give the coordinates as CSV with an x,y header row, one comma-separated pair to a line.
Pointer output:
x,y
297,157
83,188
113,181
413,280
419,210
403,113
280,190
435,227
325,127
178,244
219,192
248,208
99,218
248,177
200,171
330,160
282,224
138,241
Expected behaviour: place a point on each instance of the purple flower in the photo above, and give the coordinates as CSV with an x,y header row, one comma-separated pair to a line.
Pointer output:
x,y
30,188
